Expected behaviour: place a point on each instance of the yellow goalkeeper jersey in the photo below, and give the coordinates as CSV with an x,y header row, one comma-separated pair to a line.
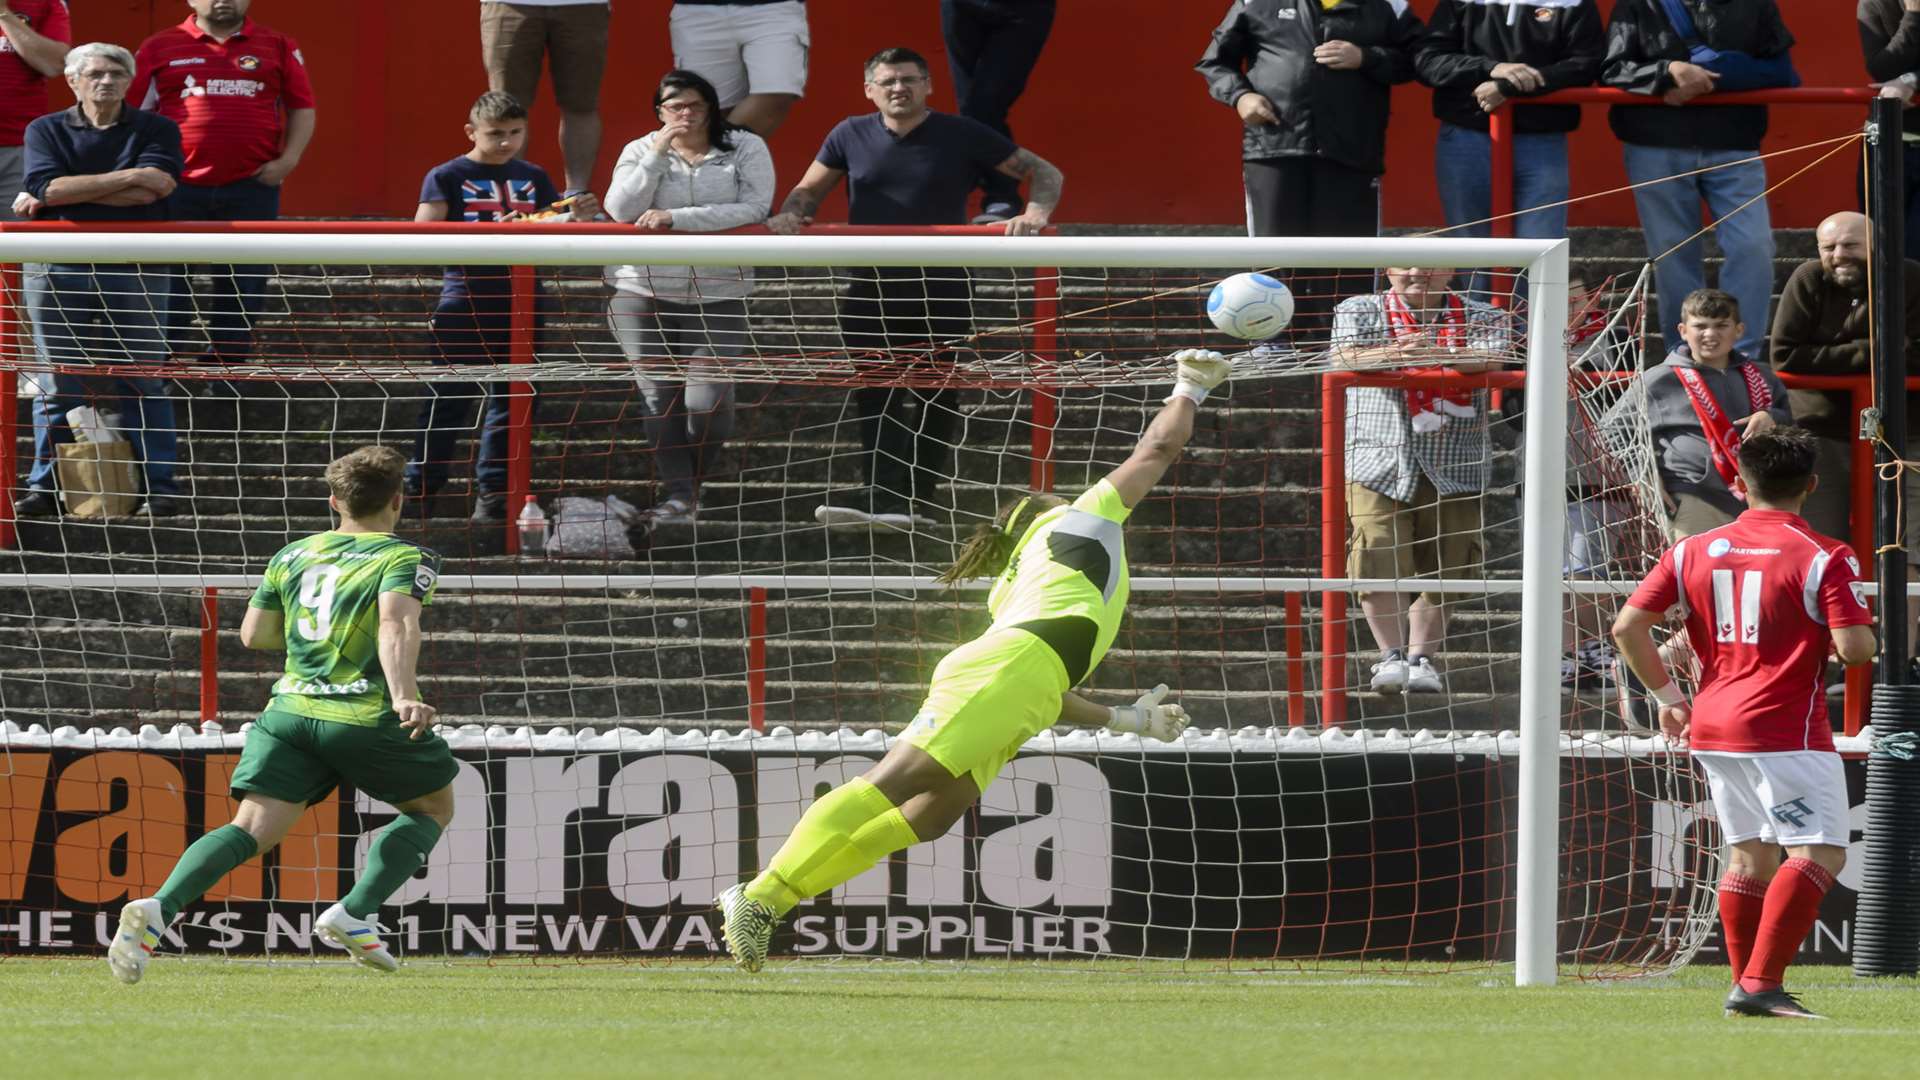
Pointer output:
x,y
1067,581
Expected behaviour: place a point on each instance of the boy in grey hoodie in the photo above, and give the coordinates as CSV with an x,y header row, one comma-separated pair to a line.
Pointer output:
x,y
1698,405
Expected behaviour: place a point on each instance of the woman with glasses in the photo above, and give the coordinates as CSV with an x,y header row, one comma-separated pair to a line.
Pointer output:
x,y
695,173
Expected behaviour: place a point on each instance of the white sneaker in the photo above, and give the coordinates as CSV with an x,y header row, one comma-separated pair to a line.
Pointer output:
x,y
359,937
1390,674
1421,678
746,925
133,944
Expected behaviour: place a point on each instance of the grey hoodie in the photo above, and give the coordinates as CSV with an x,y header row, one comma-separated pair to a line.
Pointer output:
x,y
728,189
1680,446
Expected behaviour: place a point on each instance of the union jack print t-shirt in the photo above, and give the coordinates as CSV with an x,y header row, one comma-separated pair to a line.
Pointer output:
x,y
476,191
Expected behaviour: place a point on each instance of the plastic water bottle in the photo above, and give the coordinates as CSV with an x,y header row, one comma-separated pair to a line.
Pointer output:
x,y
533,528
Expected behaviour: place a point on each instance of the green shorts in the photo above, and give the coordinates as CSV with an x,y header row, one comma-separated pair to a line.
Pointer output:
x,y
298,759
988,697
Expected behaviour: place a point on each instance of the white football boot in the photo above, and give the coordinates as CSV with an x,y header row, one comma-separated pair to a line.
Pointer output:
x,y
134,942
359,937
747,927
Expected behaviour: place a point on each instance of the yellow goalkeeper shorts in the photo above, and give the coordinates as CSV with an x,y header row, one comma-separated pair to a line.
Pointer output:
x,y
988,697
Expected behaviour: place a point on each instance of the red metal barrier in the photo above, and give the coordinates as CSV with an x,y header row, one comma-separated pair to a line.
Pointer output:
x,y
209,654
9,402
1296,664
526,299
1333,507
524,320
1500,123
757,658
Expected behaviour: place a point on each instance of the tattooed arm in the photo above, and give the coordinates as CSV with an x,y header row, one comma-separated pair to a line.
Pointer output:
x,y
805,198
1043,190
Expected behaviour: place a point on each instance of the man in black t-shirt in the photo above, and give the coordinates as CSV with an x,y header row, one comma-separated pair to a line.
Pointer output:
x,y
908,165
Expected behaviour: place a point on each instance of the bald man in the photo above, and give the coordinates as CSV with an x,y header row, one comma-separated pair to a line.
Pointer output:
x,y
1821,328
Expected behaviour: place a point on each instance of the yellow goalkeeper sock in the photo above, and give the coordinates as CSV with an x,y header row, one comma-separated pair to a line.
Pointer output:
x,y
885,835
822,852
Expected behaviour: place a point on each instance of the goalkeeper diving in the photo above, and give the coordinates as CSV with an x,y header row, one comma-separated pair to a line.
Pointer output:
x,y
1060,587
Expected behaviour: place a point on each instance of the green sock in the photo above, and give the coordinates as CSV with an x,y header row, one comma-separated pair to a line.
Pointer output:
x,y
397,854
821,853
211,858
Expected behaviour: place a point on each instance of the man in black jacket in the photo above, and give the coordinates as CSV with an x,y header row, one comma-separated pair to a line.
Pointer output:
x,y
1311,84
1890,40
1476,56
1646,55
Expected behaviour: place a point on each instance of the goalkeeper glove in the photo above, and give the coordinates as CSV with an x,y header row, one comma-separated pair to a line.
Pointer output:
x,y
1199,370
1146,716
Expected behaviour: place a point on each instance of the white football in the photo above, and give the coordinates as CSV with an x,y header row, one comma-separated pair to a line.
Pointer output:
x,y
1252,307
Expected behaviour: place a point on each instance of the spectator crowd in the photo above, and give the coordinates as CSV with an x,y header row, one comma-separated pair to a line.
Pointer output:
x,y
208,119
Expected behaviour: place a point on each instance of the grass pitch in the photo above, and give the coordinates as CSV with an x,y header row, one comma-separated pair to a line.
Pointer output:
x,y
68,1018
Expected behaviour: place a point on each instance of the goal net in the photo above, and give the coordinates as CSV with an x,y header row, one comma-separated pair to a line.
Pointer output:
x,y
643,708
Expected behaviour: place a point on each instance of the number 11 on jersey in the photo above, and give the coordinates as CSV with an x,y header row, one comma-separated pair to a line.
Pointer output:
x,y
1725,603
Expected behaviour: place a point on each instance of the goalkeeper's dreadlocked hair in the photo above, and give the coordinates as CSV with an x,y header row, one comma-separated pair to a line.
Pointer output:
x,y
987,551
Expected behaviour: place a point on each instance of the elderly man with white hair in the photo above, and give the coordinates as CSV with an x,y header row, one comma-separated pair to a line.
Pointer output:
x,y
101,161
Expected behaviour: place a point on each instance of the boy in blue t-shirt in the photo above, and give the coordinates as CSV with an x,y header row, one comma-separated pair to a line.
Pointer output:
x,y
471,323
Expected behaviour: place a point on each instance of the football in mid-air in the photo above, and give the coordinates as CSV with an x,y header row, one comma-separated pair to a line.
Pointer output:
x,y
1252,307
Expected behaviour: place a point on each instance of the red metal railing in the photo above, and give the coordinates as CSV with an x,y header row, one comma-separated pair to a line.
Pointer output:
x,y
1500,135
1333,508
1500,123
1043,402
523,323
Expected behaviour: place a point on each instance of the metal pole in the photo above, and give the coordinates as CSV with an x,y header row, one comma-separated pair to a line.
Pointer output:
x,y
1333,546
1544,513
1887,207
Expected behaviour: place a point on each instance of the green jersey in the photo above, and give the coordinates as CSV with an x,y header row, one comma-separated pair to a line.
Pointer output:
x,y
1067,580
327,588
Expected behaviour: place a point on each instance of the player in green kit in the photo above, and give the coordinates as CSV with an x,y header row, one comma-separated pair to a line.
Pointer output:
x,y
1061,587
345,607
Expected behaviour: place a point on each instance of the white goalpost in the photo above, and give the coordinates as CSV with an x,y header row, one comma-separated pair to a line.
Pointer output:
x,y
1068,338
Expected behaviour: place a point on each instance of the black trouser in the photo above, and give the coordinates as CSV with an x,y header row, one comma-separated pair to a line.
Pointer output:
x,y
992,46
1313,196
915,318
235,295
466,330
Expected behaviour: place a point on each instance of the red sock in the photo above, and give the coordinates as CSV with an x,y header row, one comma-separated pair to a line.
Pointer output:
x,y
1793,902
1741,900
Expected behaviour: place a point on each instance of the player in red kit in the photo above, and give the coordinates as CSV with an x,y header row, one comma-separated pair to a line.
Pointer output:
x,y
1764,599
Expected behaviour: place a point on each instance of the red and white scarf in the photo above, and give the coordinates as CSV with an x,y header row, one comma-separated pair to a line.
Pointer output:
x,y
1723,439
1429,410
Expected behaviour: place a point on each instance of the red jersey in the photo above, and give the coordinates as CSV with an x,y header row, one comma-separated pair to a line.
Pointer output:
x,y
229,97
23,91
1760,597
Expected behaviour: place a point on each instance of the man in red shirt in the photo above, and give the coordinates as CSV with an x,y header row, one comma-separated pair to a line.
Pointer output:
x,y
239,92
1764,599
34,35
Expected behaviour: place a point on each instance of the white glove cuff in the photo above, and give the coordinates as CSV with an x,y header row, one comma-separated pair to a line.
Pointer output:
x,y
1126,720
1191,391
1668,695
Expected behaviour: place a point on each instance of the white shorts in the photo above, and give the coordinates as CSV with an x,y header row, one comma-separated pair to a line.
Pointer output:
x,y
743,49
1793,798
